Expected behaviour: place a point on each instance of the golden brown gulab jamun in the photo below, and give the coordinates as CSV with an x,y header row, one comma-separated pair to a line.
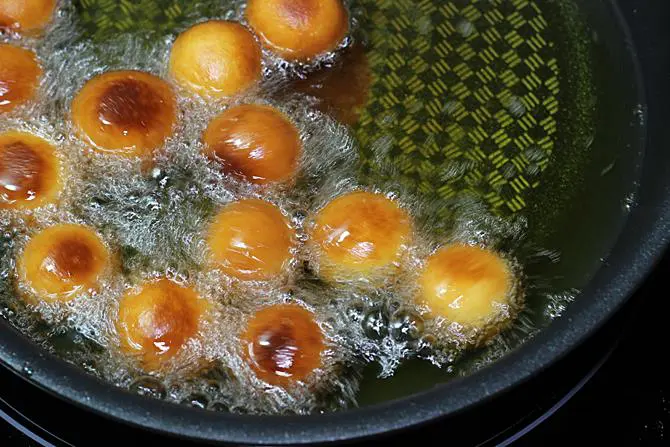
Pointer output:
x,y
468,285
19,76
216,59
62,261
29,171
26,15
298,29
359,233
128,113
255,142
283,344
250,240
157,319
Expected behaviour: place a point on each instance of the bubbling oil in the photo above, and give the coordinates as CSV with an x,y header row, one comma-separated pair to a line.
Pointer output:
x,y
153,219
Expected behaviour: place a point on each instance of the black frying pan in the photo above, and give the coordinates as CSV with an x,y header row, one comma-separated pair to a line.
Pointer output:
x,y
630,123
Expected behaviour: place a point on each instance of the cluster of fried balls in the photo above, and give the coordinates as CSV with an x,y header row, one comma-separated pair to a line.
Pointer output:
x,y
359,234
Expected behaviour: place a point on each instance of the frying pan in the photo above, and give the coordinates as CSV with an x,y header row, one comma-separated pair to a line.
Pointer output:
x,y
607,212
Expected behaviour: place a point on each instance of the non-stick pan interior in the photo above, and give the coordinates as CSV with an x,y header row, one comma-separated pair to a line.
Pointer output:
x,y
531,108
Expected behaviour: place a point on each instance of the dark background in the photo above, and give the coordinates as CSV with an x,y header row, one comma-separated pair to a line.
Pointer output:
x,y
626,401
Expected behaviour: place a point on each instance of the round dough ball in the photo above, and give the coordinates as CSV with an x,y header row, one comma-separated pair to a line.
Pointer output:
x,y
360,234
283,344
128,113
26,15
468,285
157,319
29,171
19,76
299,29
62,261
216,59
255,142
250,240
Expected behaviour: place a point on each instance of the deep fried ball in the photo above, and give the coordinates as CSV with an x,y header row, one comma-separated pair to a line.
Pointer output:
x,y
127,113
468,285
29,171
283,344
19,76
27,16
299,29
255,142
359,233
216,59
157,319
250,240
62,261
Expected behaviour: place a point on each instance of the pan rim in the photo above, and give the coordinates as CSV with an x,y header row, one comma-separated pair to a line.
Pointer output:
x,y
639,245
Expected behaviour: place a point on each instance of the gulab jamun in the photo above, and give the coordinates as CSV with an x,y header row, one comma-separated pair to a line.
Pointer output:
x,y
299,29
157,319
468,285
250,240
254,142
29,171
216,59
360,234
62,261
283,344
20,76
128,113
26,15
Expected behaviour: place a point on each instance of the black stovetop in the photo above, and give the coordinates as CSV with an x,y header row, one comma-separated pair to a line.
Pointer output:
x,y
627,401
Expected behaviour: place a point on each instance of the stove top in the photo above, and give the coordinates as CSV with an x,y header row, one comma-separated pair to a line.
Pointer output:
x,y
627,401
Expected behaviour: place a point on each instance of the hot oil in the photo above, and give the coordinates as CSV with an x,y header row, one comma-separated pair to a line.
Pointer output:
x,y
153,218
